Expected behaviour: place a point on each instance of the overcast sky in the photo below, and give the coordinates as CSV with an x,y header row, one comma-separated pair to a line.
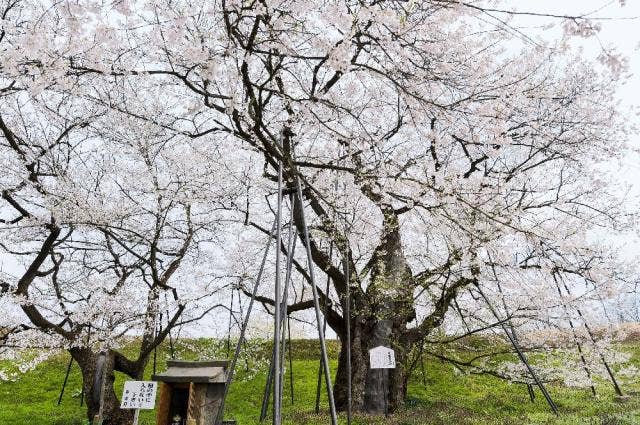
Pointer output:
x,y
620,29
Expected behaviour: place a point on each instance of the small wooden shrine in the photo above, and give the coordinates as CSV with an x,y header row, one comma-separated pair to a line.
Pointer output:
x,y
190,392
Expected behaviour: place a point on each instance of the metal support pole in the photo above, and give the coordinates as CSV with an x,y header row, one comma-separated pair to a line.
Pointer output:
x,y
230,325
283,348
318,388
82,387
575,337
243,329
66,378
324,328
532,394
241,314
277,299
530,391
614,381
291,247
316,303
155,349
289,352
347,315
521,355
266,396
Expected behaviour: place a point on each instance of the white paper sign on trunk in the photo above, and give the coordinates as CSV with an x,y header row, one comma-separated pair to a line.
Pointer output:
x,y
382,358
139,395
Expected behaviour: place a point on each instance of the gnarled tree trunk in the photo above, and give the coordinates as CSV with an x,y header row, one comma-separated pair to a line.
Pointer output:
x,y
373,390
379,317
94,383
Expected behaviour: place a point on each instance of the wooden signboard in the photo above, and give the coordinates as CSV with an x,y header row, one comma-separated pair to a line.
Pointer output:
x,y
382,357
138,395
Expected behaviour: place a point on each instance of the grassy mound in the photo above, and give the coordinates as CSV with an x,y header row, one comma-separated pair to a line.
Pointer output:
x,y
440,396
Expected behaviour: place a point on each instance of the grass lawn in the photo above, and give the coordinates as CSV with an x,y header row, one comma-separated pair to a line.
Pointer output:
x,y
444,397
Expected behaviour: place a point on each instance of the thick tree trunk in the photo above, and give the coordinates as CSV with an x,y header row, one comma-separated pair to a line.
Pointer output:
x,y
373,391
379,318
93,383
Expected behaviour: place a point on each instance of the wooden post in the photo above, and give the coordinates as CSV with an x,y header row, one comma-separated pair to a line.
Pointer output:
x,y
164,404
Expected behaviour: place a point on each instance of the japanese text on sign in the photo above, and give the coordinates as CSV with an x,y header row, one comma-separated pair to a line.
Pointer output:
x,y
139,395
382,358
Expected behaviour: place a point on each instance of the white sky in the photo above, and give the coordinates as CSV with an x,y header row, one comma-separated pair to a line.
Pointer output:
x,y
620,28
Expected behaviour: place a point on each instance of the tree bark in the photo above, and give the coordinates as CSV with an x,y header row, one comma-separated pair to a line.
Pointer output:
x,y
379,318
91,385
374,391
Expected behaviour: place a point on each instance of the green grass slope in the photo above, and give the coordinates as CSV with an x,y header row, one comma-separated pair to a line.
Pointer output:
x,y
440,397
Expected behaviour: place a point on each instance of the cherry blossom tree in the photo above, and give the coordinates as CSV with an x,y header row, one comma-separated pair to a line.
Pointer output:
x,y
440,149
113,224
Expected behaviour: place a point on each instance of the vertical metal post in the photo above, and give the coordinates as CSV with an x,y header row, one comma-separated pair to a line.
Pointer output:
x,y
277,307
291,247
347,314
289,352
243,329
316,303
283,349
241,314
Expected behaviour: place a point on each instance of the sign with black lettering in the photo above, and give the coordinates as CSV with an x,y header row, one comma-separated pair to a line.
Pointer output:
x,y
382,358
139,395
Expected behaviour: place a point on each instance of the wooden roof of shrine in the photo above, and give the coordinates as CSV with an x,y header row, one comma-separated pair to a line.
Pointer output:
x,y
207,372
